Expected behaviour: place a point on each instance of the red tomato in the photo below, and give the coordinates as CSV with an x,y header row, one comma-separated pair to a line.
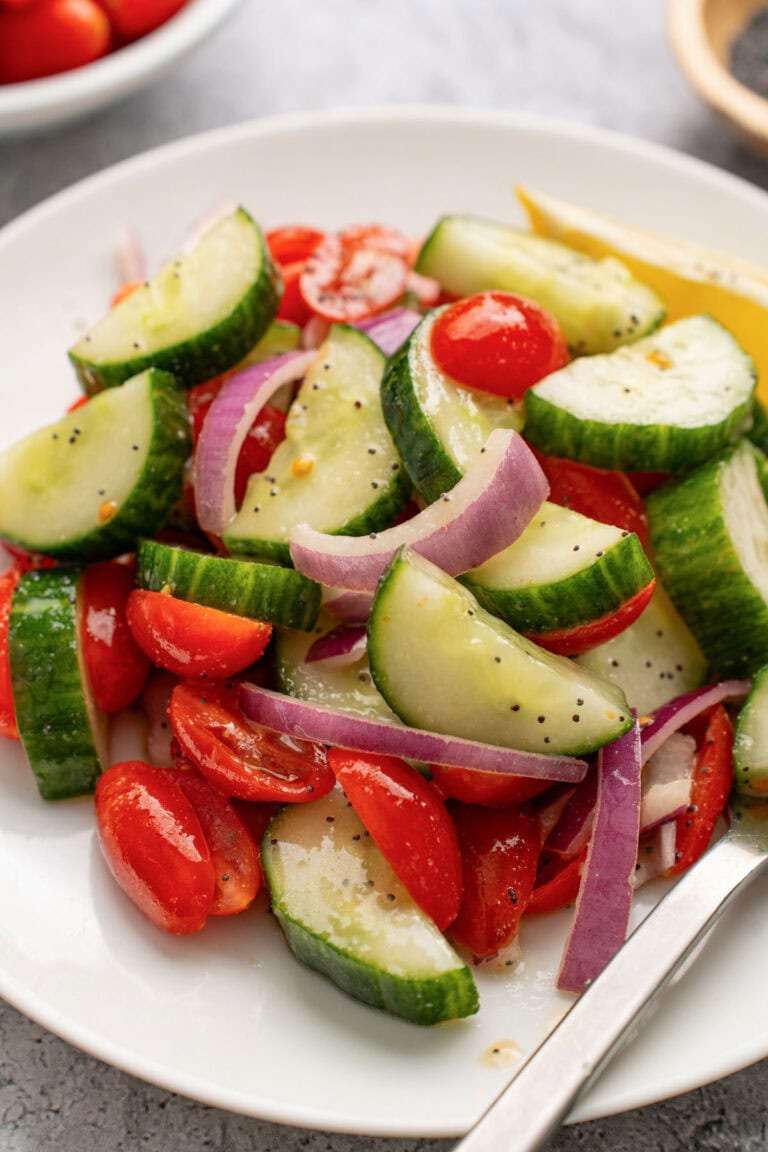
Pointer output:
x,y
711,787
349,279
193,640
8,581
124,291
234,853
407,818
381,238
116,666
582,637
256,817
557,884
154,845
51,36
264,435
134,18
608,497
242,759
499,851
293,243
494,789
496,342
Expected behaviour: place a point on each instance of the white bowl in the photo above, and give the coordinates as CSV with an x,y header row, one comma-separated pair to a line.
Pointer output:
x,y
44,103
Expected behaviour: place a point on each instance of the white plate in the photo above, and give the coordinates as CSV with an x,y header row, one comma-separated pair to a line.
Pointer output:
x,y
228,1017
55,99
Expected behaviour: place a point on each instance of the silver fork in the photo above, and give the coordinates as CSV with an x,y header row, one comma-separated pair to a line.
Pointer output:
x,y
541,1094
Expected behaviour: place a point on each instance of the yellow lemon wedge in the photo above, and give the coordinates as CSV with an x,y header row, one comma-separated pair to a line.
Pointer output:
x,y
688,278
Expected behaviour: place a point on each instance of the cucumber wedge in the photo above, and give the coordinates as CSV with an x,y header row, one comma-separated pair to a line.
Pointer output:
x,y
438,427
262,591
709,533
107,473
652,661
337,468
598,303
63,732
750,745
444,663
345,913
667,404
564,570
200,315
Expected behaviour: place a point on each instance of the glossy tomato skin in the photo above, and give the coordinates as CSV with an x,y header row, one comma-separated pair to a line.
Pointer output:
x,y
410,824
154,845
291,247
52,36
494,789
8,581
497,342
192,640
242,759
499,850
711,785
116,666
557,884
607,496
582,637
132,19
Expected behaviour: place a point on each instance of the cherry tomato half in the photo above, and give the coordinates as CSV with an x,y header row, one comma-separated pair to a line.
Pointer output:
x,y
242,759
117,668
407,818
609,497
191,639
710,788
291,247
349,279
8,581
497,342
51,36
582,637
557,883
154,845
494,789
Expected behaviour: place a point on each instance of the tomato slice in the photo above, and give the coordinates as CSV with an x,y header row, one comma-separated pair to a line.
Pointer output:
x,y
116,666
347,280
154,845
499,851
407,818
8,581
710,788
243,759
497,342
293,243
494,789
234,852
557,883
582,637
193,640
609,497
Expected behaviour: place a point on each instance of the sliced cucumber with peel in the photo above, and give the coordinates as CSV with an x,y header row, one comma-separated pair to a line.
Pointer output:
x,y
563,570
438,427
750,745
63,732
345,913
337,469
667,404
265,592
442,662
598,303
200,315
105,474
709,533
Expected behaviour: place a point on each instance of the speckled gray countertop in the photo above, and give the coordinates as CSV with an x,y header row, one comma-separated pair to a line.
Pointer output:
x,y
593,61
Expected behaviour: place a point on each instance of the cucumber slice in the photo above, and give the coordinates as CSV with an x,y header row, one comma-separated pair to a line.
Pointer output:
x,y
667,404
652,661
200,315
598,303
562,571
107,473
262,591
750,745
442,662
63,732
345,913
709,533
438,427
337,468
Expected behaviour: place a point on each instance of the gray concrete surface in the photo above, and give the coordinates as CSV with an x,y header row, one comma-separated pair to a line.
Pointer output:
x,y
594,61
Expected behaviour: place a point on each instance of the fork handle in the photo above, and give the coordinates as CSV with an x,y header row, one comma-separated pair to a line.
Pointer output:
x,y
538,1099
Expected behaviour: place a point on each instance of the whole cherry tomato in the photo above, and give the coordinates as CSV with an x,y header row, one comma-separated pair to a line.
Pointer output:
x,y
117,668
134,18
410,824
497,342
52,36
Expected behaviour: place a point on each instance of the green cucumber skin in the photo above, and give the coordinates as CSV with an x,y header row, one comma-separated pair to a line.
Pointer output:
x,y
750,754
628,447
47,685
197,359
702,575
264,592
581,598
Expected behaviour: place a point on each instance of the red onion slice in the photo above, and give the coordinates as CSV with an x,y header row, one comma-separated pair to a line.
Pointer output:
x,y
226,426
348,607
488,509
671,717
657,854
339,647
667,779
307,721
390,330
572,830
605,896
